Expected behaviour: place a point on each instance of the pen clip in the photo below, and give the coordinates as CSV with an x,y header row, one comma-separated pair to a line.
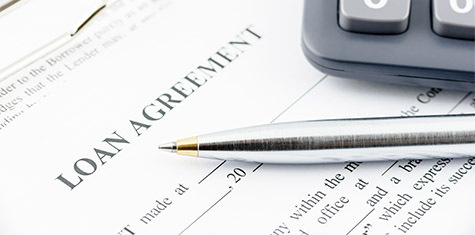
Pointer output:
x,y
7,4
87,20
52,45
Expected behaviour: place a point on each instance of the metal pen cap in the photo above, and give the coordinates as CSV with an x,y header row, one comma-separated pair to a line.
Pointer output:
x,y
338,140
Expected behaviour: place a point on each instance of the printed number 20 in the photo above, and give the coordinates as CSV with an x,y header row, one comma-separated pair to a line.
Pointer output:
x,y
236,175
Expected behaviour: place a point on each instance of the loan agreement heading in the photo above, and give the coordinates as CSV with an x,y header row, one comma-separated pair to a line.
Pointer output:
x,y
159,107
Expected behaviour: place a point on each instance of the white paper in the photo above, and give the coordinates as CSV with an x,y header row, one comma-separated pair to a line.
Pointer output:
x,y
29,25
135,53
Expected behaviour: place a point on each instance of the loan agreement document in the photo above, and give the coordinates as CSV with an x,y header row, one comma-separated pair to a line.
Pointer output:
x,y
79,132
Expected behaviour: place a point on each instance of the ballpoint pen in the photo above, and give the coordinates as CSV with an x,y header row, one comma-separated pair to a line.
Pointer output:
x,y
338,140
59,39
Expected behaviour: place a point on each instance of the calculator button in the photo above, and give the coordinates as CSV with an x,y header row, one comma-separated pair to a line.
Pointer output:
x,y
374,16
454,18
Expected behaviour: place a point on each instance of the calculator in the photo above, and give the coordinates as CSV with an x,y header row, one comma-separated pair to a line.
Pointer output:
x,y
420,42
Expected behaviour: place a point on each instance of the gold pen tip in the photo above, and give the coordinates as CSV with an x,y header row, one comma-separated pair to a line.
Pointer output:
x,y
168,147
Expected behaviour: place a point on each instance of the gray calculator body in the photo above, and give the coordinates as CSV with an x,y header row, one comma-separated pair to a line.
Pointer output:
x,y
416,55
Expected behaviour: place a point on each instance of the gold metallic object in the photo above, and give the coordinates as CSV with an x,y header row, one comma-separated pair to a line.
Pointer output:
x,y
187,146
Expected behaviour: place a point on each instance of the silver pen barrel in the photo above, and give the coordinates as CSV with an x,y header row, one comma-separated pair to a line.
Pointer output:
x,y
326,141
